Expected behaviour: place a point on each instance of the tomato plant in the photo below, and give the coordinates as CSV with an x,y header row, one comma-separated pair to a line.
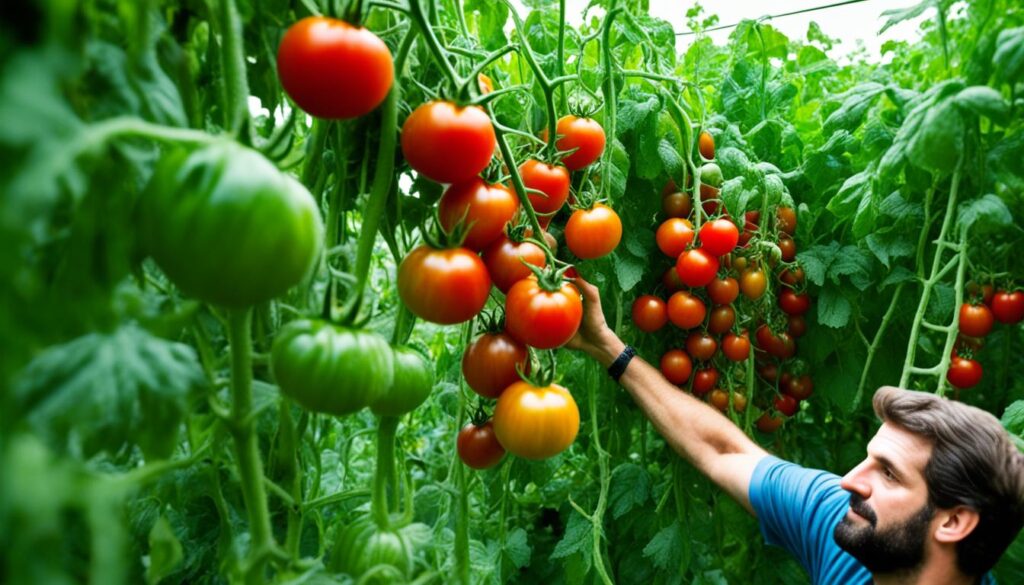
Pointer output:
x,y
975,320
448,143
706,146
701,346
723,291
705,380
719,237
583,135
677,204
484,209
753,283
793,303
685,310
552,182
736,347
478,446
696,267
676,366
650,313
443,286
673,236
492,363
536,422
1008,307
411,384
541,317
722,319
506,261
963,372
592,233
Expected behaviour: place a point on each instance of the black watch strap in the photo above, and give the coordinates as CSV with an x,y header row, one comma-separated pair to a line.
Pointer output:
x,y
618,367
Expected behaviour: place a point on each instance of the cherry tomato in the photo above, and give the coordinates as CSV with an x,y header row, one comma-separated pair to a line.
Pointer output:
x,y
670,280
720,399
489,363
797,326
793,303
677,204
769,371
701,346
696,267
540,318
983,292
676,366
447,143
799,387
649,313
975,320
723,317
723,291
963,373
592,233
784,347
484,209
753,283
788,248
719,237
504,260
792,277
787,220
673,236
1008,307
711,174
787,405
583,134
704,381
552,181
332,69
768,424
478,447
685,310
443,286
534,422
706,146
736,347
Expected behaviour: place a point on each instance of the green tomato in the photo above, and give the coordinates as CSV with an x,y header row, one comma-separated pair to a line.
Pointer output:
x,y
711,174
331,369
361,546
227,227
412,383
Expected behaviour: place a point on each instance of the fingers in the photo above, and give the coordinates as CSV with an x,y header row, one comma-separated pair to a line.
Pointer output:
x,y
589,291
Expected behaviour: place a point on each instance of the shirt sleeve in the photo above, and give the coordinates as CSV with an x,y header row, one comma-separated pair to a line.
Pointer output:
x,y
798,509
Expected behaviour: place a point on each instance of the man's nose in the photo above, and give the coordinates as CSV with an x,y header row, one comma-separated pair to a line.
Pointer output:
x,y
856,481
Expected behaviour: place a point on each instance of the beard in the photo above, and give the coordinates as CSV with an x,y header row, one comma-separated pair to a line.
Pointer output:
x,y
896,549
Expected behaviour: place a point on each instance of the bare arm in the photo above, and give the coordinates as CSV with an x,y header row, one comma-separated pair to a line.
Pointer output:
x,y
696,431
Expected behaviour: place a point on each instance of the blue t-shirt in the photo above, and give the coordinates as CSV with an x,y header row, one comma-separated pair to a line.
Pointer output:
x,y
798,509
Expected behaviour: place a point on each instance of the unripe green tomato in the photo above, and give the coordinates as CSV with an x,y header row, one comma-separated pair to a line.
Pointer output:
x,y
227,227
711,174
413,381
331,369
360,546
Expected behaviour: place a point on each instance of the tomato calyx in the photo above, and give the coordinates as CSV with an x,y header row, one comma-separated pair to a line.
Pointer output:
x,y
552,276
539,375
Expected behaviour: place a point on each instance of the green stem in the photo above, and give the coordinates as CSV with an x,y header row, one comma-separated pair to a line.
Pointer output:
x,y
610,93
954,328
312,168
420,18
462,526
291,475
247,451
597,518
236,85
385,472
517,179
876,343
561,52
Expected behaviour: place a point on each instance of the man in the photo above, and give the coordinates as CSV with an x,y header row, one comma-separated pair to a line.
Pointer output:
x,y
937,501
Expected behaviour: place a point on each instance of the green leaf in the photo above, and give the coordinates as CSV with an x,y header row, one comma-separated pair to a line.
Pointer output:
x,y
664,549
854,263
578,537
897,276
898,15
165,552
833,308
628,270
816,261
856,102
1013,418
1009,55
491,19
853,191
671,161
517,548
984,101
630,488
618,172
986,214
733,161
890,243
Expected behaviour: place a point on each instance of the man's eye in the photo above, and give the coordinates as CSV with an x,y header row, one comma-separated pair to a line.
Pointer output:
x,y
889,474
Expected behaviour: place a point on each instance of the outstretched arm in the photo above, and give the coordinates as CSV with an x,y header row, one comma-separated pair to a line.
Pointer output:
x,y
693,429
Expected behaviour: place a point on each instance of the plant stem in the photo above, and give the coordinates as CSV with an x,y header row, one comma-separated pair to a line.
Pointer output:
x,y
385,471
876,343
232,55
610,93
597,518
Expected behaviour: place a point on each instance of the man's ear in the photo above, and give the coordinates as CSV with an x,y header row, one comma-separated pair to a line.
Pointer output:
x,y
956,524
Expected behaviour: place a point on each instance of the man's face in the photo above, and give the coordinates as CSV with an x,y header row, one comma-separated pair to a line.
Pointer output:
x,y
888,523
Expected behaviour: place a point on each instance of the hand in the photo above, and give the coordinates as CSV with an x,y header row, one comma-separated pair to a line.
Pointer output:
x,y
594,336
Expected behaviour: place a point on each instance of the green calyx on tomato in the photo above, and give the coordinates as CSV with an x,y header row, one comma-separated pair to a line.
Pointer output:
x,y
227,227
482,209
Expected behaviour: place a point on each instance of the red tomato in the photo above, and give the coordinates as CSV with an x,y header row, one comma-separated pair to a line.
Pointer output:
x,y
706,146
800,387
736,347
676,366
489,363
1008,307
649,313
770,372
447,143
723,317
720,399
592,233
701,346
767,423
793,303
443,286
685,310
787,405
797,326
788,248
536,423
670,280
484,208
787,220
719,237
963,373
673,236
677,204
478,447
723,291
792,277
552,181
696,267
584,135
704,381
975,320
332,69
753,283
504,260
540,318
785,346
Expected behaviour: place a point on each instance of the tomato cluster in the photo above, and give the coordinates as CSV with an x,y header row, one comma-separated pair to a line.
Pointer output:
x,y
715,292
975,320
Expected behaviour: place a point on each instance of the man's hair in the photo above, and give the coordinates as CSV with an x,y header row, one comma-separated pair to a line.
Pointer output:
x,y
974,463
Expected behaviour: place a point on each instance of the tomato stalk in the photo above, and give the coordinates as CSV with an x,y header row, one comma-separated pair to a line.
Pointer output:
x,y
597,517
875,344
610,93
291,475
436,49
385,471
232,58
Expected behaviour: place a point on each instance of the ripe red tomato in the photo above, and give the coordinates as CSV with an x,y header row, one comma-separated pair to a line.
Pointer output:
x,y
784,347
723,291
1008,307
332,69
504,260
768,424
787,220
704,381
551,180
719,237
788,248
673,236
592,233
963,373
447,143
649,313
799,387
981,292
685,310
753,283
975,320
720,399
540,318
792,277
797,325
706,146
677,204
478,447
536,423
736,347
701,346
676,366
793,303
787,405
484,208
443,286
489,363
769,371
670,280
583,134
723,317
696,267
